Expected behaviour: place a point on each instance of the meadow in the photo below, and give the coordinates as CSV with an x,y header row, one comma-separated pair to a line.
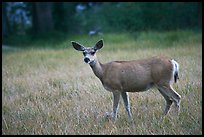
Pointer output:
x,y
48,89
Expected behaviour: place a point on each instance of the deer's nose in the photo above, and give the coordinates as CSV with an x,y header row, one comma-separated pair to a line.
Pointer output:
x,y
86,60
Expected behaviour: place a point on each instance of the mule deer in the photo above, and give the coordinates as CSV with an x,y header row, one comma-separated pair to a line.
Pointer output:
x,y
121,77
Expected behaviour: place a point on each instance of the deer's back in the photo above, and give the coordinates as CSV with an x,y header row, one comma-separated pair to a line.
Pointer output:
x,y
136,75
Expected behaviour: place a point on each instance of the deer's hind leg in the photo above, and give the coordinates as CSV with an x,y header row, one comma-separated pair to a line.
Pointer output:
x,y
176,99
168,101
171,96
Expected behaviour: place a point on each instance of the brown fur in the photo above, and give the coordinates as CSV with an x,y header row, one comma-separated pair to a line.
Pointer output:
x,y
121,77
134,76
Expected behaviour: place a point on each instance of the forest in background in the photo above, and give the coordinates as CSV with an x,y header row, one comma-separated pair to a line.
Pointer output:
x,y
93,18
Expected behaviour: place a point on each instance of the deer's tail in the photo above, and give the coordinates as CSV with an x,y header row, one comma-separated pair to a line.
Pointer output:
x,y
175,70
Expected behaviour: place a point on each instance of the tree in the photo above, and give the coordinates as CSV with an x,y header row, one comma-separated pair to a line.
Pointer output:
x,y
63,16
42,17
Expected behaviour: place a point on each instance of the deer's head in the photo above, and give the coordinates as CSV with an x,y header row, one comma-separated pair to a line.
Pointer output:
x,y
88,52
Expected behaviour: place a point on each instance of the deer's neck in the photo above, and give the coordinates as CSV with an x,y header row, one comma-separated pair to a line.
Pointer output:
x,y
97,68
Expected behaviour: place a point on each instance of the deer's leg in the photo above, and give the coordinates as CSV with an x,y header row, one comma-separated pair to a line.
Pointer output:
x,y
176,98
171,96
116,98
127,104
168,101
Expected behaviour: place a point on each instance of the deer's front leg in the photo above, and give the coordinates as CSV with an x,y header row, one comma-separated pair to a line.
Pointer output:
x,y
116,98
127,104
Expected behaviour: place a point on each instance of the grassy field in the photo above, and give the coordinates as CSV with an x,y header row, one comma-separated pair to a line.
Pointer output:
x,y
52,91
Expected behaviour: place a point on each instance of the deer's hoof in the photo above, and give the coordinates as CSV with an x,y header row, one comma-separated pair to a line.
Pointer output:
x,y
108,115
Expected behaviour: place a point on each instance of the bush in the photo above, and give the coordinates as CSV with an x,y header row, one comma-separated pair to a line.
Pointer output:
x,y
134,16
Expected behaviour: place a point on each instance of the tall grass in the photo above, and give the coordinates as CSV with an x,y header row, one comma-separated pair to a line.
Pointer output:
x,y
51,91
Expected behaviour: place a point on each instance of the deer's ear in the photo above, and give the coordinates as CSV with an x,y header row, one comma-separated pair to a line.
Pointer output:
x,y
98,45
77,46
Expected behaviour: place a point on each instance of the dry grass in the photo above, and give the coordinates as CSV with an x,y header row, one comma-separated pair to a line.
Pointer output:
x,y
54,92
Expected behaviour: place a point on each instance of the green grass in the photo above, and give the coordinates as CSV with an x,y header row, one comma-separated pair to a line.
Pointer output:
x,y
52,91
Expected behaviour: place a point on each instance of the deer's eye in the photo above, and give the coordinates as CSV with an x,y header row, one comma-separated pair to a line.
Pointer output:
x,y
92,53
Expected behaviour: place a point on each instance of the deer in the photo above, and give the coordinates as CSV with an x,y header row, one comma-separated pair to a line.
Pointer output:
x,y
122,77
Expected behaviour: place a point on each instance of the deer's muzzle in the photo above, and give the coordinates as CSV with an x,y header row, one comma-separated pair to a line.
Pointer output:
x,y
87,60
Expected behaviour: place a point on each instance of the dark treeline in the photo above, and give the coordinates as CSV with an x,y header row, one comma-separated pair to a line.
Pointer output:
x,y
92,17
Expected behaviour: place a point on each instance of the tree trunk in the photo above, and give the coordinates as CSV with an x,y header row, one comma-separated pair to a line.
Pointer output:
x,y
42,17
